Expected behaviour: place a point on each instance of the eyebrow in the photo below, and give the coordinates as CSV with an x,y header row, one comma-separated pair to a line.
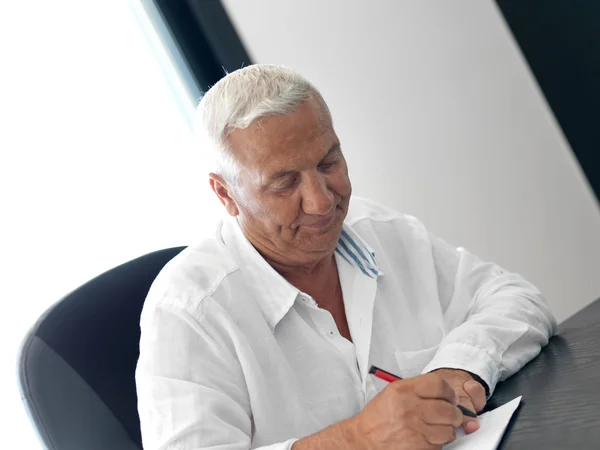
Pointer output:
x,y
335,148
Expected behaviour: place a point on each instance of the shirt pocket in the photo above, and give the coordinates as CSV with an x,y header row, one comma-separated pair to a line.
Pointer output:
x,y
412,363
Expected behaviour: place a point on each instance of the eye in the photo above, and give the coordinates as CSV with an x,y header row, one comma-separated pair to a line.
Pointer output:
x,y
327,166
288,183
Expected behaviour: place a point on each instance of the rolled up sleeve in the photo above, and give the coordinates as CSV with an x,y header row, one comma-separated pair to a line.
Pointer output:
x,y
496,321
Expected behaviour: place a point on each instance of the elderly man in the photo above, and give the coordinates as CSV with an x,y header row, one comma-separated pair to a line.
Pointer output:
x,y
262,335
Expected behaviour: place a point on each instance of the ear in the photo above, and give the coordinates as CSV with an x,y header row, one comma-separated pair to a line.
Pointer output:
x,y
222,189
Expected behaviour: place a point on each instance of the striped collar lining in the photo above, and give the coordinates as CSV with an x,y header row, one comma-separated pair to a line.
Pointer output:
x,y
356,253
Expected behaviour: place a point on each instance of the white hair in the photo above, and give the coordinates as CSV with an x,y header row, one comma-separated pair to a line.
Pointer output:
x,y
239,99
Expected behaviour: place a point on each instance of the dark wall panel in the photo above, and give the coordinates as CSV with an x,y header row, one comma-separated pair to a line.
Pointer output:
x,y
206,38
561,41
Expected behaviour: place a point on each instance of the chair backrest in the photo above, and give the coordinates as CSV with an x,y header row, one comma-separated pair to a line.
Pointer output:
x,y
77,364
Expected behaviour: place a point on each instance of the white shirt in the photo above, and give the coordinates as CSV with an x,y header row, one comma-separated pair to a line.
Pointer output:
x,y
232,356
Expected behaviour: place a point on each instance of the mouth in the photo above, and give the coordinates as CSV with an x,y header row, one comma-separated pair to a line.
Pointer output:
x,y
323,223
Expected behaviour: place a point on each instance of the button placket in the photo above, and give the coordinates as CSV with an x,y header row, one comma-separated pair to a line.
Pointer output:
x,y
342,345
332,330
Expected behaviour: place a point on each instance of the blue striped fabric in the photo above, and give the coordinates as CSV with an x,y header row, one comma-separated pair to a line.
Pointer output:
x,y
355,254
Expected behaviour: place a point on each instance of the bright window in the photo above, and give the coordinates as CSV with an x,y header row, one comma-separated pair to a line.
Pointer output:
x,y
97,165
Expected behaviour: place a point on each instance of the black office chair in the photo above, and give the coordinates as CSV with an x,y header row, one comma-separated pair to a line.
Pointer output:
x,y
77,363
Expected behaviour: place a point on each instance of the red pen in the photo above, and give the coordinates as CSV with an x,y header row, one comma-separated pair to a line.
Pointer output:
x,y
380,373
390,377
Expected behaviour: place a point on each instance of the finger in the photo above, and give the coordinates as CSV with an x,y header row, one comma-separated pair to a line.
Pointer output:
x,y
469,424
433,386
477,394
439,412
475,397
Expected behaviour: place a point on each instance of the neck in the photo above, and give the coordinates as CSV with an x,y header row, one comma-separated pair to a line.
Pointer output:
x,y
320,282
313,277
308,275
289,262
296,272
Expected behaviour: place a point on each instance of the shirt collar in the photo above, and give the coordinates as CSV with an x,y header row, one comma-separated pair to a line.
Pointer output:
x,y
274,294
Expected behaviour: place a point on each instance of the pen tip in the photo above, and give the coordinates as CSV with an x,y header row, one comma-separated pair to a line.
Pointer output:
x,y
467,412
373,369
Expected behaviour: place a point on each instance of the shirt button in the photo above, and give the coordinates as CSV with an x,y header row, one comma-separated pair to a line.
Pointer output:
x,y
331,333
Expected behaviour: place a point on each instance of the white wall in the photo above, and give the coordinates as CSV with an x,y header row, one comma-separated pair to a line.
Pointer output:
x,y
440,117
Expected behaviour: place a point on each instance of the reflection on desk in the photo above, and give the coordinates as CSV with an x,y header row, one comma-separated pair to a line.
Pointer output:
x,y
560,388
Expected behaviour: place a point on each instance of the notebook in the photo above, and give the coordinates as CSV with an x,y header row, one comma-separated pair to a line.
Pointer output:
x,y
492,427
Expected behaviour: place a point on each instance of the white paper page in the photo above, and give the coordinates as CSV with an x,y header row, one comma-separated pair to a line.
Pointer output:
x,y
489,435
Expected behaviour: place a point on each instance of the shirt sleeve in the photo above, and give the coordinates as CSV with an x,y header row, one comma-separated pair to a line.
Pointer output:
x,y
191,391
495,321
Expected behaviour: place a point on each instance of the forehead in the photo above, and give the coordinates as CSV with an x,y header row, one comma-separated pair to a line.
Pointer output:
x,y
281,140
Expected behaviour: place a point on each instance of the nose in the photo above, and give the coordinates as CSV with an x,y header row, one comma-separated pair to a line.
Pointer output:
x,y
317,198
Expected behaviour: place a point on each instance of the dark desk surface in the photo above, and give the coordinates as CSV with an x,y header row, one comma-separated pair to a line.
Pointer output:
x,y
560,408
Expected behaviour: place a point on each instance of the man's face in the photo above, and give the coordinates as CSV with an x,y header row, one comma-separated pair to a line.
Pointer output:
x,y
293,190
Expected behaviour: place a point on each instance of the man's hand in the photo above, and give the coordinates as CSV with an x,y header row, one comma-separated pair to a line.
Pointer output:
x,y
471,394
418,413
